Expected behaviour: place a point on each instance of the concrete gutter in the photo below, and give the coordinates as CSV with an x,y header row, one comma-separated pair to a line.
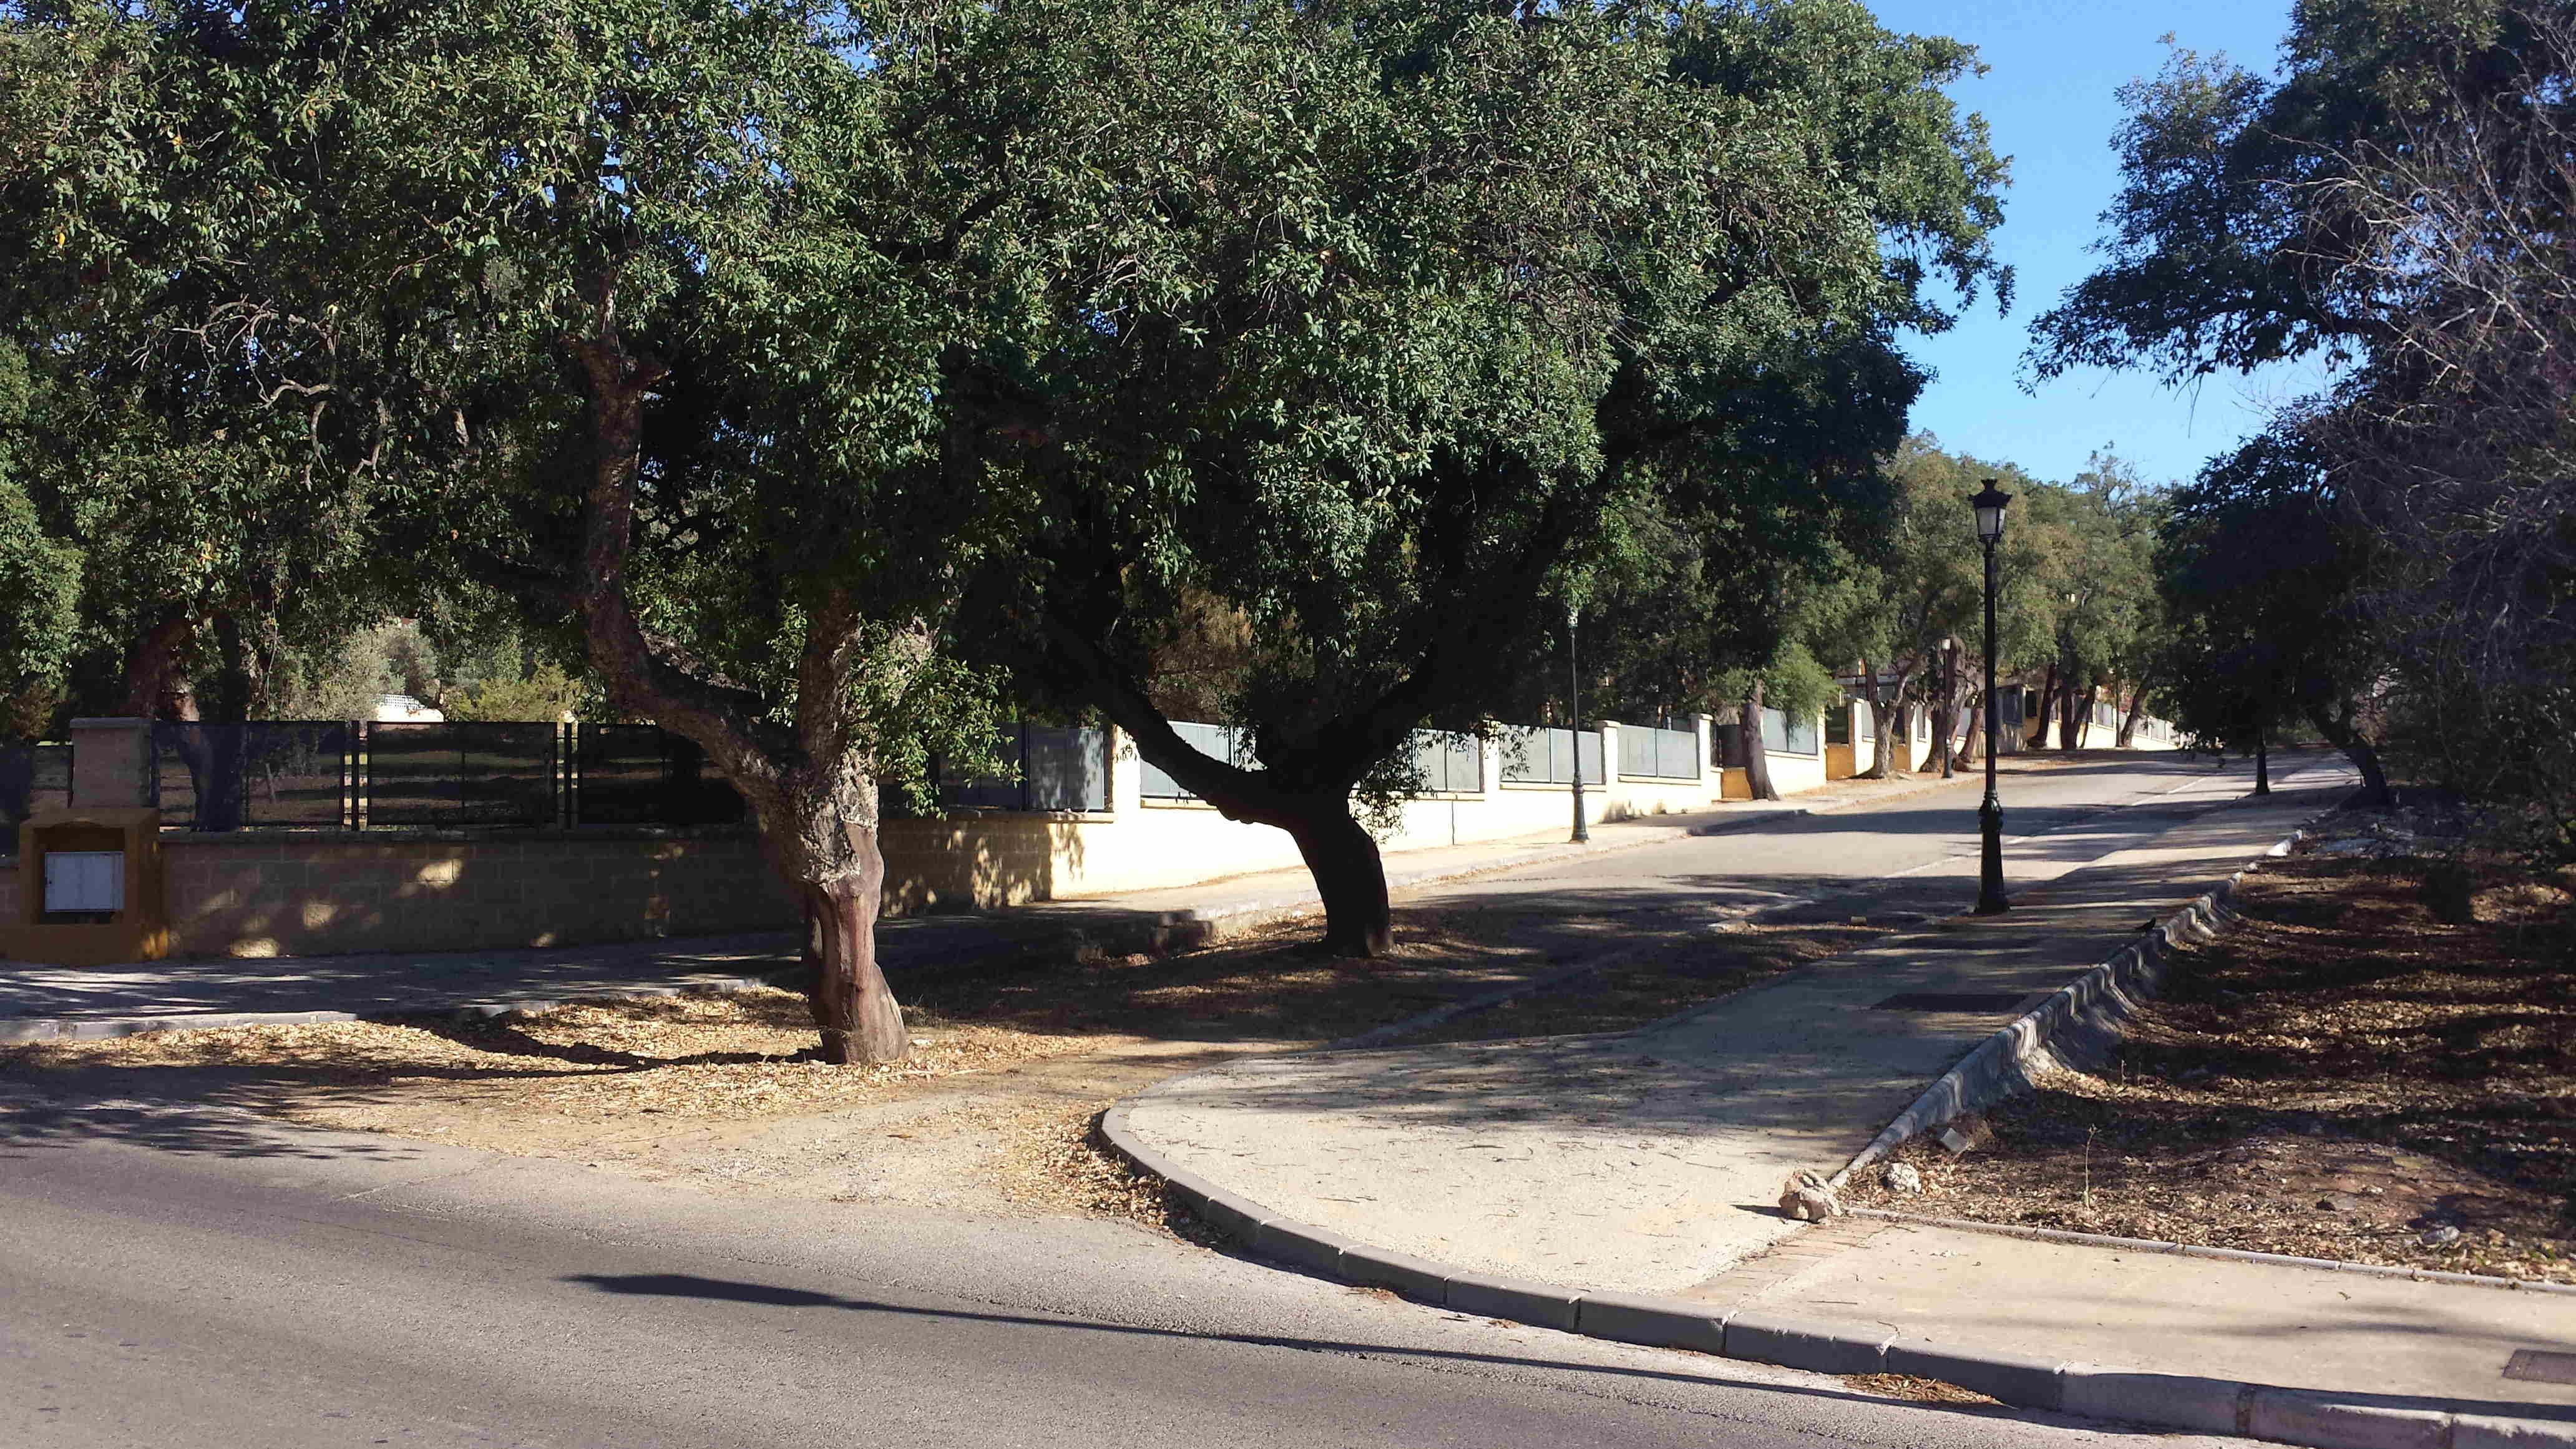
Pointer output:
x,y
2076,1017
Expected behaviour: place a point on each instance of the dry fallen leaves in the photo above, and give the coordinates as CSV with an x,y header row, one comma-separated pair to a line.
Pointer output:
x,y
2342,1076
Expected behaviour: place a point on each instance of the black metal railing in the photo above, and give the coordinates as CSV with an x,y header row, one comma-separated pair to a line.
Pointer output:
x,y
32,778
487,775
1060,767
294,774
645,775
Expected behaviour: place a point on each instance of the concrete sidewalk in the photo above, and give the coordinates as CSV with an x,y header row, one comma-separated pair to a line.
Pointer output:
x,y
2408,1342
1650,1161
1626,1186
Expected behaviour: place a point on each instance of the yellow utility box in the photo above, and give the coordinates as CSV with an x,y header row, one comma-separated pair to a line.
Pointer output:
x,y
90,891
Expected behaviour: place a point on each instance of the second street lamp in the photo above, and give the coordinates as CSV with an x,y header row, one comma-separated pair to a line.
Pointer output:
x,y
1574,717
1990,502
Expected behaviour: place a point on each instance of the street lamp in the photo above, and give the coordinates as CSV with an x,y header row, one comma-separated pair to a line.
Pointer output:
x,y
1574,718
1990,502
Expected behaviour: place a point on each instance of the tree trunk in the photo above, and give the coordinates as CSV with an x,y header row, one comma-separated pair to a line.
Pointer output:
x,y
1945,723
2356,746
1976,731
1879,748
811,787
1349,875
153,662
1757,757
2068,736
853,1007
2137,706
2262,761
2047,705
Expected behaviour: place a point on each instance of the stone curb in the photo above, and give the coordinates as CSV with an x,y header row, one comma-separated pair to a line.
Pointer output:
x,y
1757,1334
2082,1018
2319,1420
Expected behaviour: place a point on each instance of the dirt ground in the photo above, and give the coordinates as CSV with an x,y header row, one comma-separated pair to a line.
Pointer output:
x,y
993,1112
2345,1075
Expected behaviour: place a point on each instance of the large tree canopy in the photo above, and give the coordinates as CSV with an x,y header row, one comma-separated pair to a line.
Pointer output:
x,y
2396,201
2233,239
633,308
1397,312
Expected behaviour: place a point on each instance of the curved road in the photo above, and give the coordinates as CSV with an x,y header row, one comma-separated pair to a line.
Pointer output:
x,y
187,1277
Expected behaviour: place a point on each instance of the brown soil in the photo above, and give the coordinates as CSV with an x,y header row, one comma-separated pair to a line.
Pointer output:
x,y
2342,1076
1919,1390
994,1111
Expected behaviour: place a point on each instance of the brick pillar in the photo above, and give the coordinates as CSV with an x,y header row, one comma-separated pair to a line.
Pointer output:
x,y
111,762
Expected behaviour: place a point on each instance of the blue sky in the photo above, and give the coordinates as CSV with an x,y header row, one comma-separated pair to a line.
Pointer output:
x,y
2050,96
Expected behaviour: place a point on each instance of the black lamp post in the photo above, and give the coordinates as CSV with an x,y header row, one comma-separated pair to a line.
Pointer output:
x,y
1990,502
1574,717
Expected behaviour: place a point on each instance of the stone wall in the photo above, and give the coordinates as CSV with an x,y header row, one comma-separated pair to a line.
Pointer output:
x,y
253,894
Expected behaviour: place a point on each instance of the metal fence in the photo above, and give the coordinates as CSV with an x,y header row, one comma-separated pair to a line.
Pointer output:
x,y
644,775
1217,742
1659,752
1449,764
359,775
1061,767
296,774
1548,756
464,775
32,778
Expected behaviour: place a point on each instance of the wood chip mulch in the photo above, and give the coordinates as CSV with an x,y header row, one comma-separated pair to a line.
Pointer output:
x,y
2345,1075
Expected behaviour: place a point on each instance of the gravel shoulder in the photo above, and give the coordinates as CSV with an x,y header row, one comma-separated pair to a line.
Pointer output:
x,y
2345,1075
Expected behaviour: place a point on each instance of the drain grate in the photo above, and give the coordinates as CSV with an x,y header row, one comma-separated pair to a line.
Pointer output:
x,y
1953,1001
2539,1366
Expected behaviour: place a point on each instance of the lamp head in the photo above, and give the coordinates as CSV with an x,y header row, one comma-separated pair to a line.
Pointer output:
x,y
1990,502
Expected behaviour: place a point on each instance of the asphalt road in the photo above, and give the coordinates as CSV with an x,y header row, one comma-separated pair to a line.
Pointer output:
x,y
1899,861
181,1277
175,1279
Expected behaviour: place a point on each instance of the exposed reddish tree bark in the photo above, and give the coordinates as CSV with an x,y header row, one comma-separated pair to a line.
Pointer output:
x,y
811,789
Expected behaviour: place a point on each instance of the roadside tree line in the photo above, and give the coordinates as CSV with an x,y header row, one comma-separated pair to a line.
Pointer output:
x,y
2390,562
825,382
